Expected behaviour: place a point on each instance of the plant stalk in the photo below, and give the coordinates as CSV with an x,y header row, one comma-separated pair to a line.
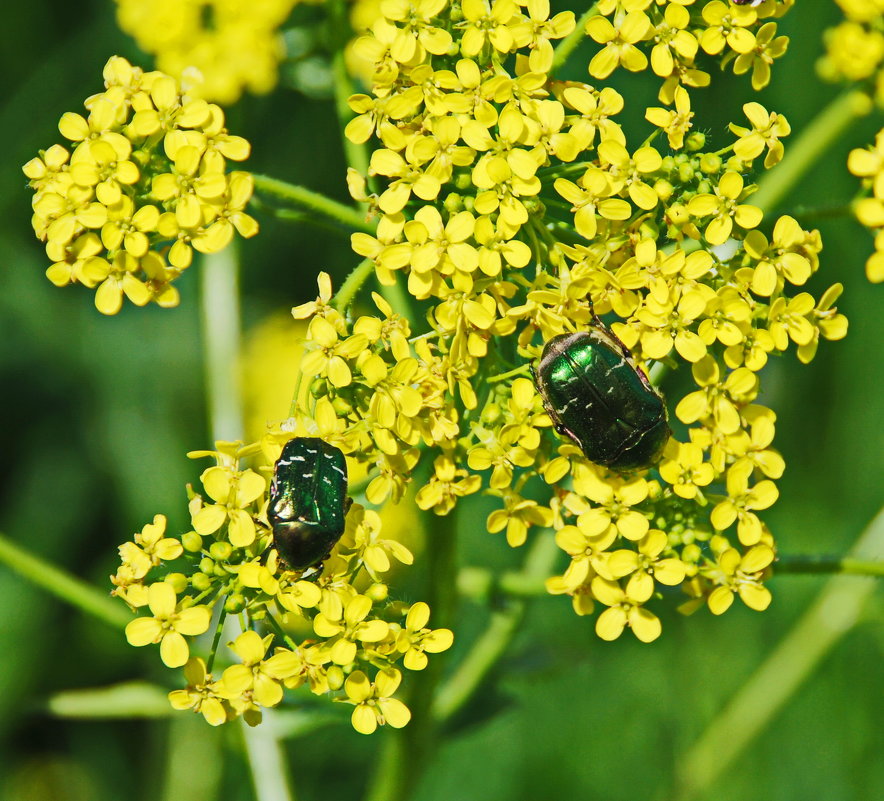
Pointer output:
x,y
314,201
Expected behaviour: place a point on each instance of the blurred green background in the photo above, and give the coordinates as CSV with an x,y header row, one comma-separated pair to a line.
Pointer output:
x,y
99,412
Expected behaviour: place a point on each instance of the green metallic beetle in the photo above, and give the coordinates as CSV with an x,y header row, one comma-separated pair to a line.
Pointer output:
x,y
598,396
308,501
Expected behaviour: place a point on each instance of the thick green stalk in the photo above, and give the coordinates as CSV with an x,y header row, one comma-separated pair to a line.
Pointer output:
x,y
221,328
314,201
220,319
485,654
837,608
825,129
406,753
846,565
63,586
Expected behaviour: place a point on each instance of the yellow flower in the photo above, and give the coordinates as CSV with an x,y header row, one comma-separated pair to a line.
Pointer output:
x,y
233,491
741,575
685,469
200,695
727,24
767,129
717,401
619,43
415,640
675,123
625,609
374,704
762,55
742,502
169,625
349,629
725,209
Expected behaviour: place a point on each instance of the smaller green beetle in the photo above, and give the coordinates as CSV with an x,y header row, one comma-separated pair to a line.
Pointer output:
x,y
598,396
308,501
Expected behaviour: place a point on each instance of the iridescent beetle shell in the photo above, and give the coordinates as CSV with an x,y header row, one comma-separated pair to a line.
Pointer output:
x,y
308,501
600,398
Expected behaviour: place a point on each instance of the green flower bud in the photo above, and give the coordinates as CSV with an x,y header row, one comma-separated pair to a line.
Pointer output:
x,y
192,542
201,582
695,141
234,604
221,551
377,592
710,163
335,677
178,582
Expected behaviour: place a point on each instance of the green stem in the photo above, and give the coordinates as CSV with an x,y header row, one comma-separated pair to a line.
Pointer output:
x,y
828,564
216,639
570,42
220,320
836,610
315,202
406,753
221,327
822,212
825,129
352,284
522,369
494,642
267,760
62,585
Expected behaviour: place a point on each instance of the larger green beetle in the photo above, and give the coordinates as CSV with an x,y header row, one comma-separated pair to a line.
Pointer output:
x,y
600,398
308,501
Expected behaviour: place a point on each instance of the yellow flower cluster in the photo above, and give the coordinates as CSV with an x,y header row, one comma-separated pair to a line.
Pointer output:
x,y
143,185
331,628
868,164
675,36
855,47
513,207
217,48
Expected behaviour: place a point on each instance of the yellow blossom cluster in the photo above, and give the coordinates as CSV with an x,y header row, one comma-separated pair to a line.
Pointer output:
x,y
855,54
855,47
331,628
676,33
142,186
514,209
868,164
217,48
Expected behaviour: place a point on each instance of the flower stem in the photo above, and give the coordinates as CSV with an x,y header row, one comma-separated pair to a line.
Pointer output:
x,y
314,201
219,306
62,585
825,129
522,369
352,284
813,563
570,42
492,645
405,753
267,761
837,608
221,327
